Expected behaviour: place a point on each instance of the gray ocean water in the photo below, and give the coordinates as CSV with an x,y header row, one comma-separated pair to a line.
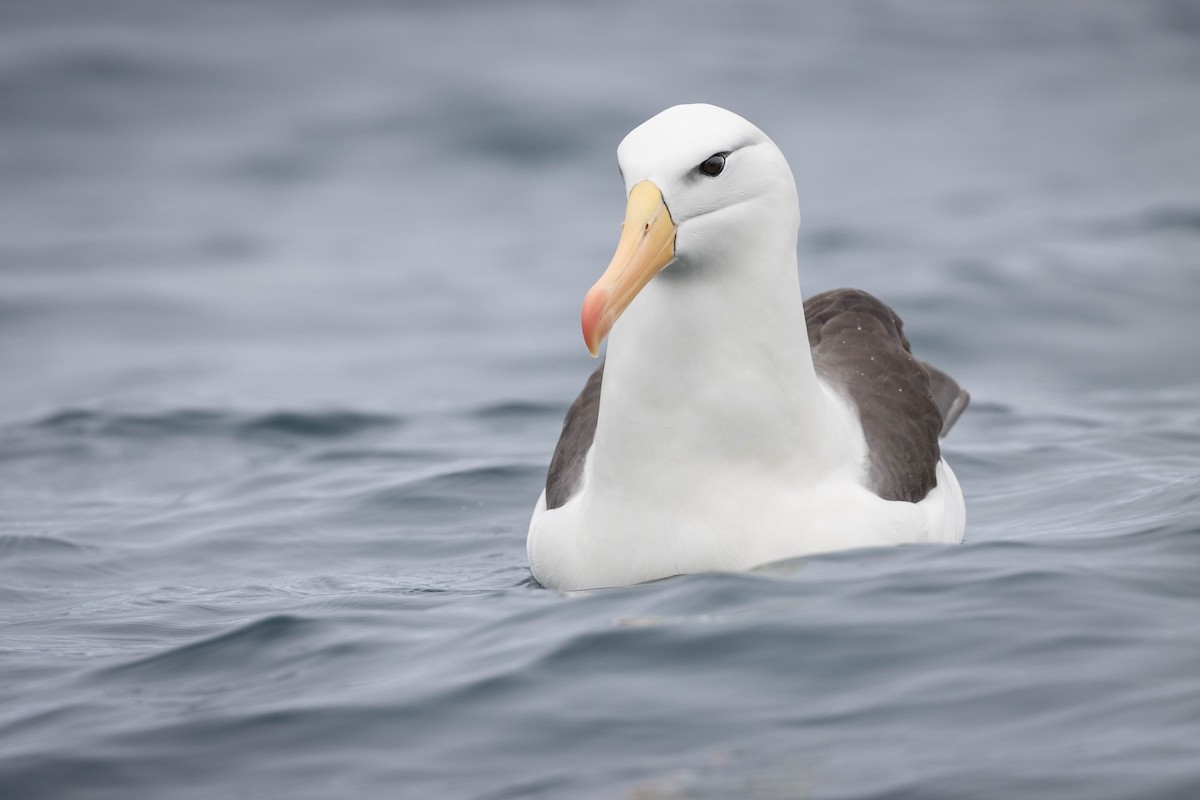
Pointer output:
x,y
289,298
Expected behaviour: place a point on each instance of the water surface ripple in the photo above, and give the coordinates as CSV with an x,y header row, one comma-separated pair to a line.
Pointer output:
x,y
288,323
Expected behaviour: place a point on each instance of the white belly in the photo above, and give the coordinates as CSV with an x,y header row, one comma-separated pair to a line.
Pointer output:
x,y
707,522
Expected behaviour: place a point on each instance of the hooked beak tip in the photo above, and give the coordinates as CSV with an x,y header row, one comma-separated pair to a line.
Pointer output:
x,y
594,329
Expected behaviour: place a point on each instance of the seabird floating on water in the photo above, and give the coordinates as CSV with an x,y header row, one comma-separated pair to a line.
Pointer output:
x,y
733,424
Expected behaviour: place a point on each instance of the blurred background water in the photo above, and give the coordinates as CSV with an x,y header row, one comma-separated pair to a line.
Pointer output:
x,y
289,303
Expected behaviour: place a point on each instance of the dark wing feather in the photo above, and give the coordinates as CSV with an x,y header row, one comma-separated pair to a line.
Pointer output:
x,y
951,398
579,428
858,345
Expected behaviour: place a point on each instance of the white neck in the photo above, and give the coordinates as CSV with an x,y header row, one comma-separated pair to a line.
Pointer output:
x,y
714,368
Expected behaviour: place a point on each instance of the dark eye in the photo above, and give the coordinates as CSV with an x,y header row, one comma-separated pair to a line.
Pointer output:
x,y
713,165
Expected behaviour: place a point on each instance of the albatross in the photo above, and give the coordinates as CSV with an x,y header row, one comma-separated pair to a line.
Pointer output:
x,y
731,423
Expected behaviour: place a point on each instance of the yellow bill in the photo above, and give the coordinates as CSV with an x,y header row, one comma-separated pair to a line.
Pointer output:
x,y
647,245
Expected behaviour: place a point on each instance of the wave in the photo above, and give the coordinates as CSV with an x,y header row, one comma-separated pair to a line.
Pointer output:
x,y
238,648
13,544
211,422
449,488
518,410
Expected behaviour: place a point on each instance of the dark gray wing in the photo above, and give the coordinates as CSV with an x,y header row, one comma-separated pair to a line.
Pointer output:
x,y
951,398
858,345
579,428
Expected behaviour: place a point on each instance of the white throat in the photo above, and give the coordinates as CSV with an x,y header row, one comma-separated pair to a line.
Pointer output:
x,y
715,368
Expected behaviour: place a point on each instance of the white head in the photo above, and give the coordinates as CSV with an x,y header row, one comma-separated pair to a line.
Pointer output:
x,y
703,185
